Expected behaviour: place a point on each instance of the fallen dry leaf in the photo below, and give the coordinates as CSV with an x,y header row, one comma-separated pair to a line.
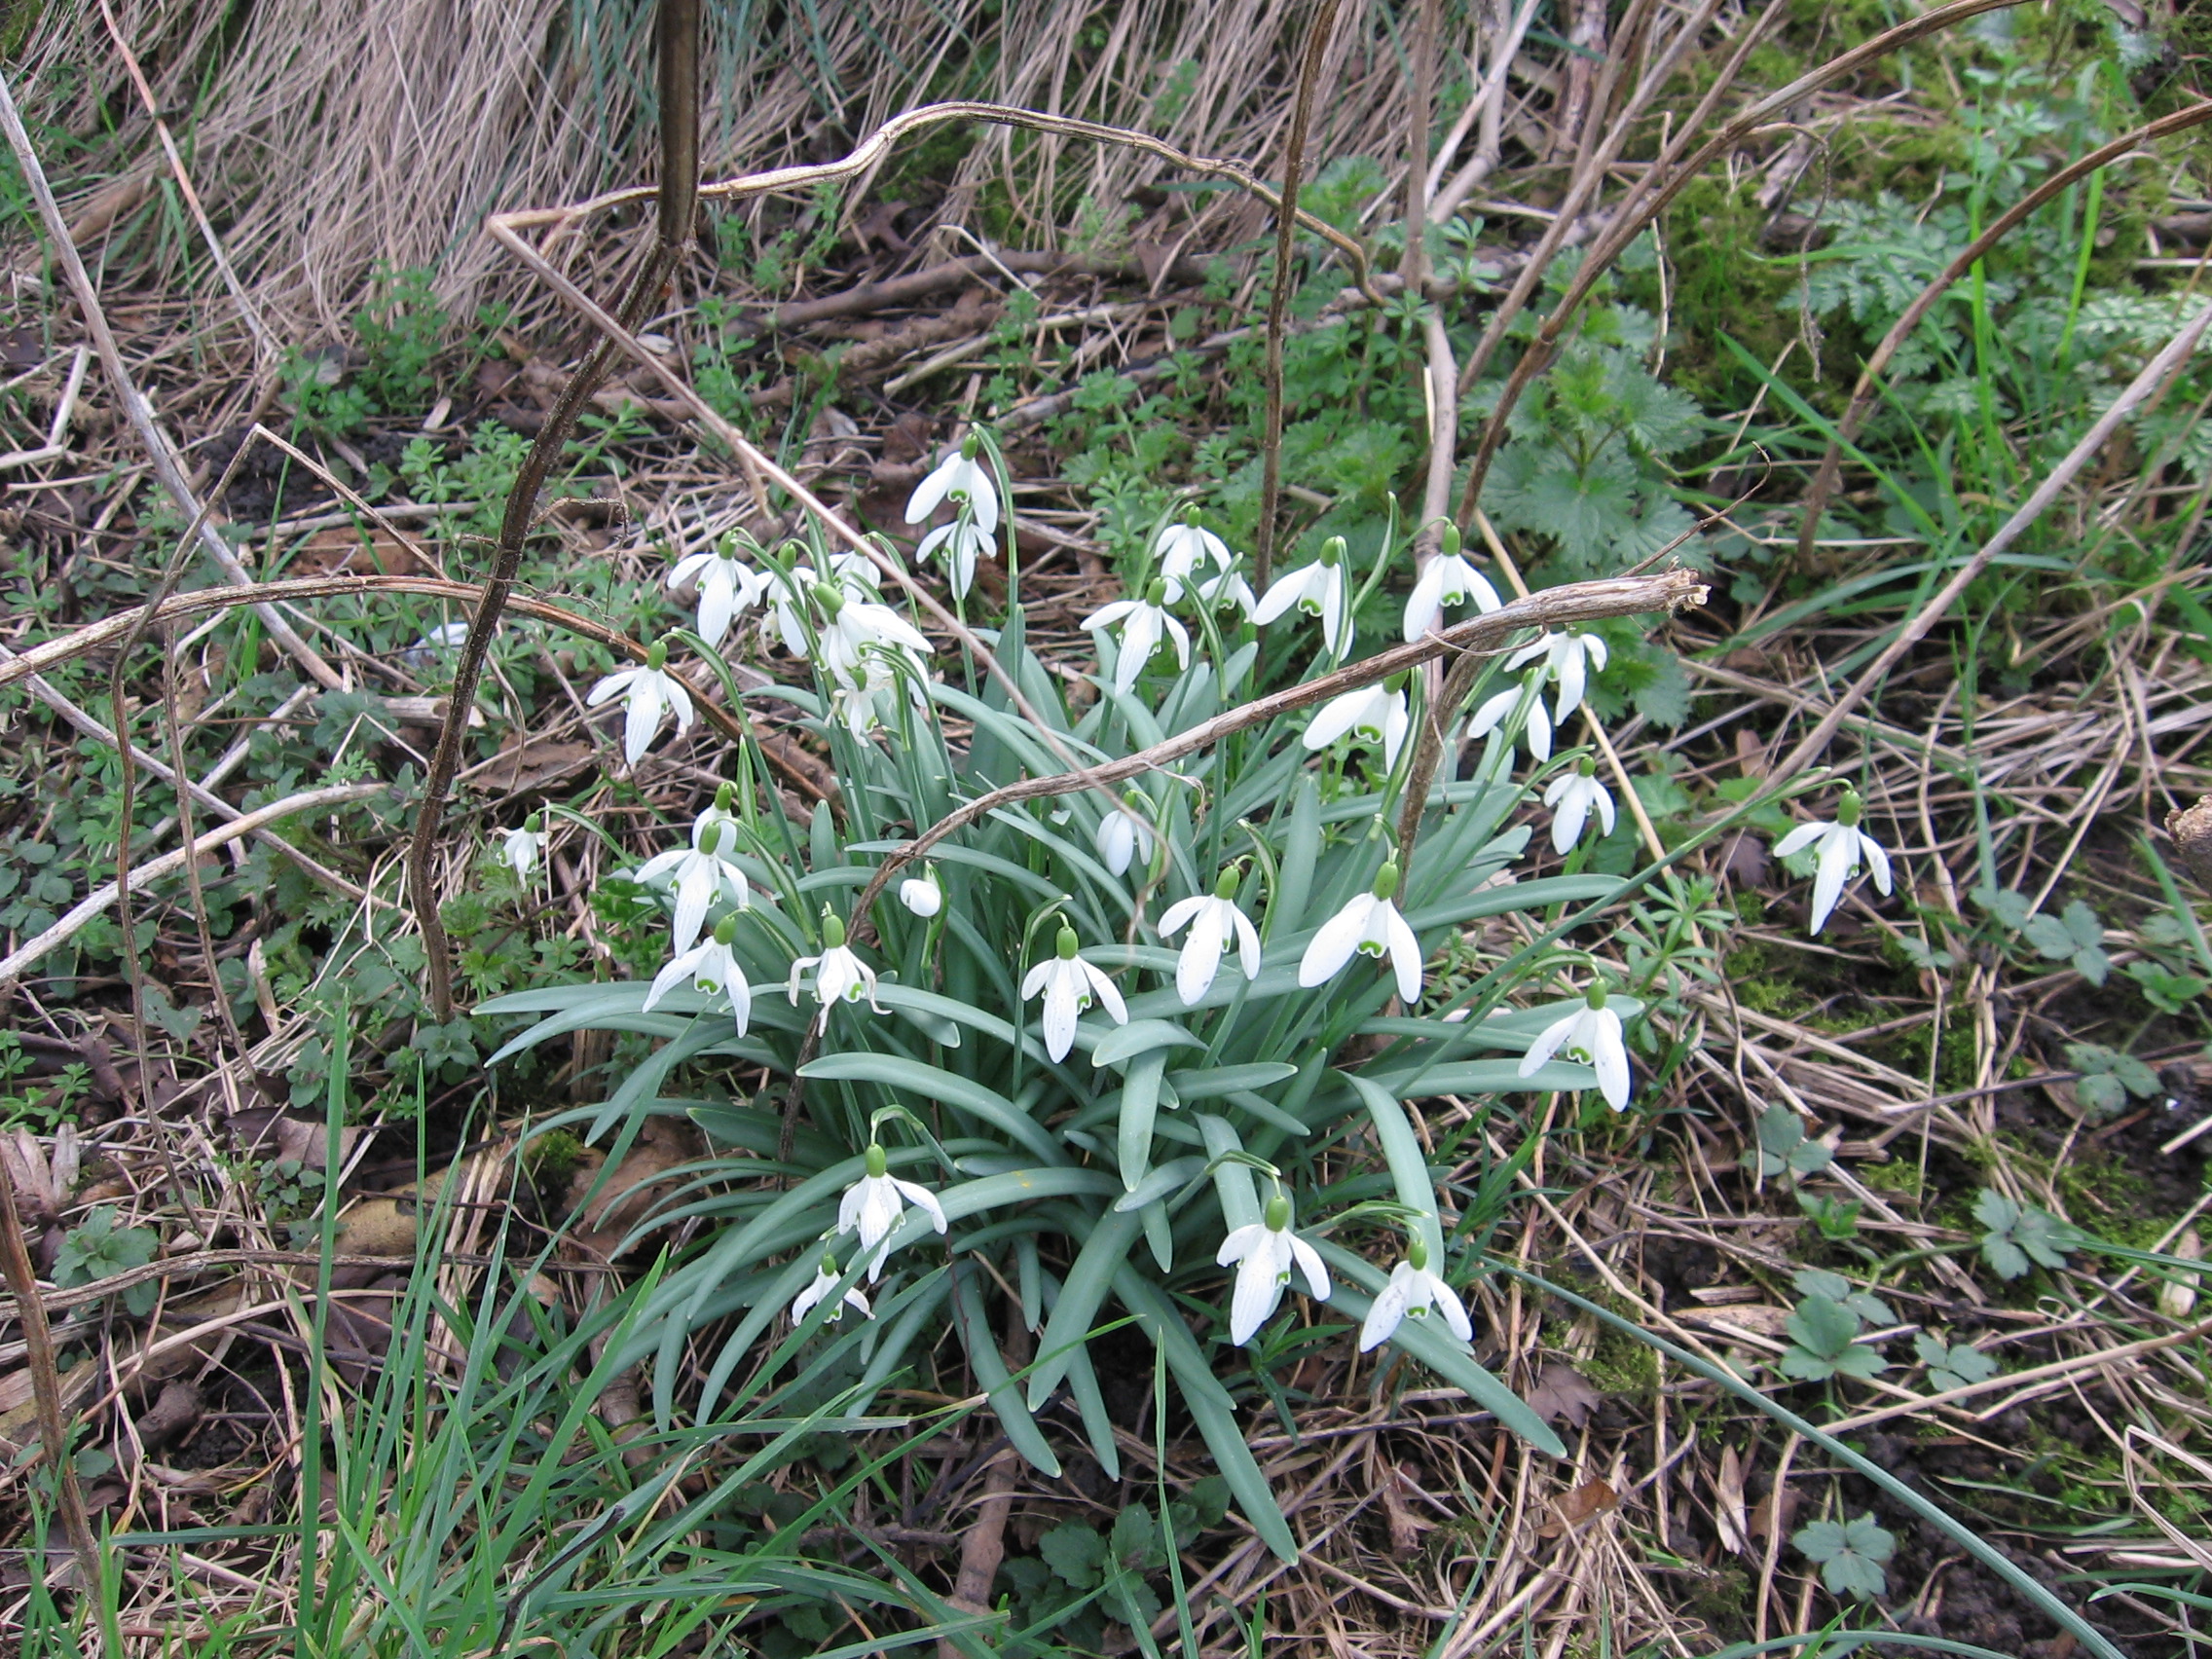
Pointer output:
x,y
1562,1395
1578,1508
1728,1517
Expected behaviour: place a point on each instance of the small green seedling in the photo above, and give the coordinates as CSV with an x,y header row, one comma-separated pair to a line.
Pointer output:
x,y
2020,1235
1822,1344
1850,1554
1819,1281
2109,1077
96,1249
1784,1149
1952,1365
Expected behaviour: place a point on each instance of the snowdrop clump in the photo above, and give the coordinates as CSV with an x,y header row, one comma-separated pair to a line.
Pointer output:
x,y
938,1028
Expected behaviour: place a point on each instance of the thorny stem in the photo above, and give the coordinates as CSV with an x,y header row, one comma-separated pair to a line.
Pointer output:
x,y
1286,227
678,51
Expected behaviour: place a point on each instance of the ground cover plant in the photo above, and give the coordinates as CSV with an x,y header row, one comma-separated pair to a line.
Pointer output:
x,y
1026,891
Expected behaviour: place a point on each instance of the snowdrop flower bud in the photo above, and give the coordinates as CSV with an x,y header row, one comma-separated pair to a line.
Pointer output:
x,y
1842,845
520,848
1120,836
1591,1033
1412,1292
1369,926
647,692
921,894
1572,798
1264,1253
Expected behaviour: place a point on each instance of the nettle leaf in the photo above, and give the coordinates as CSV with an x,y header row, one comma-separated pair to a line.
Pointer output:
x,y
1850,1554
1821,1332
2019,1235
1135,1540
1952,1365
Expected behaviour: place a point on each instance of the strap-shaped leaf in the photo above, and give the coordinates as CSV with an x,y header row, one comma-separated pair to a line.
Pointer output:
x,y
989,1367
1081,1296
933,1082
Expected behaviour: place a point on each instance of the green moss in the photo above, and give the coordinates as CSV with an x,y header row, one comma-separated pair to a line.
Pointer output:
x,y
552,1158
1622,1365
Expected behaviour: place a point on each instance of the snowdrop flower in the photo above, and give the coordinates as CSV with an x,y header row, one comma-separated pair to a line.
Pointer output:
x,y
702,875
1569,658
1184,547
921,894
1591,1033
1535,732
839,975
1215,922
1264,1254
1219,593
1070,984
520,849
1571,796
854,628
850,574
1369,926
718,815
858,704
1318,590
1842,845
826,1277
1448,579
959,544
1412,1292
958,474
647,692
1143,623
871,1206
712,970
1374,714
727,585
1120,836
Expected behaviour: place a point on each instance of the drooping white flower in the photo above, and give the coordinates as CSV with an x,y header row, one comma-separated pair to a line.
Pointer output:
x,y
727,585
1569,658
647,691
1591,1033
839,975
1120,837
1144,624
858,704
1449,579
871,1206
1070,984
702,875
1572,796
791,593
1842,845
713,970
921,893
1187,546
1219,593
719,814
1369,926
1414,1289
1535,732
1374,714
959,473
959,544
1318,590
853,630
1215,923
521,849
1264,1254
824,1280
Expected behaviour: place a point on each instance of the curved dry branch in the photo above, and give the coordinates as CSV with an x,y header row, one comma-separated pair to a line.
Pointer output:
x,y
1863,395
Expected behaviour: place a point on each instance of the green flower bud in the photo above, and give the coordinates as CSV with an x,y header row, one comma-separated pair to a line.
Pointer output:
x,y
725,792
725,930
1067,943
830,1264
1191,515
1332,550
1449,539
1594,997
711,839
1278,1213
830,599
832,929
1386,880
1848,809
878,1162
1587,765
656,655
535,824
1225,884
1155,591
1416,1254
970,446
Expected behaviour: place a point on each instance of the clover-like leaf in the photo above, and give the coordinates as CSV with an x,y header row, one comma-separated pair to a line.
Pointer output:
x,y
2018,1236
1850,1554
1952,1365
1819,1281
1821,1346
